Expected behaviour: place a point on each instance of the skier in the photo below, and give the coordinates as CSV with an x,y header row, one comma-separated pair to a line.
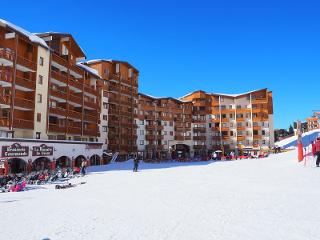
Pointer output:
x,y
316,150
136,164
83,167
214,155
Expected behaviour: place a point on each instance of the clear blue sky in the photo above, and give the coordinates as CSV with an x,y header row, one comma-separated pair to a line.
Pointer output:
x,y
181,46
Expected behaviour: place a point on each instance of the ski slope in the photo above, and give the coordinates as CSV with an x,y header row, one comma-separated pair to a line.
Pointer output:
x,y
265,199
307,137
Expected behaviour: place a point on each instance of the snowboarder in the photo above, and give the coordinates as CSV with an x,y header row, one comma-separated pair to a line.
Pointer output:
x,y
316,151
83,167
136,164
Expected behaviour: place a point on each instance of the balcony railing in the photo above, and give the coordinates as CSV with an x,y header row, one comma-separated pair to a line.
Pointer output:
x,y
59,76
24,82
90,132
89,117
24,103
75,99
58,94
22,123
6,54
56,128
6,77
74,130
75,114
58,111
5,100
4,122
28,63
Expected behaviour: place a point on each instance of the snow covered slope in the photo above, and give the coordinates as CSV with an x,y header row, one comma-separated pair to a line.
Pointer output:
x,y
272,198
306,139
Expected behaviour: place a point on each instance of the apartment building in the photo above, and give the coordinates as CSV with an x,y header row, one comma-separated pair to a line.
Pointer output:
x,y
164,127
45,94
313,123
122,80
226,122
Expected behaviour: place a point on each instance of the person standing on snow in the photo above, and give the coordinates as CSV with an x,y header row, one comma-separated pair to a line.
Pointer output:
x,y
135,164
316,151
83,167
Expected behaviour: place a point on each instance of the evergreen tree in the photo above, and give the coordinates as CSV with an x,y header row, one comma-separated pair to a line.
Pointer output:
x,y
291,132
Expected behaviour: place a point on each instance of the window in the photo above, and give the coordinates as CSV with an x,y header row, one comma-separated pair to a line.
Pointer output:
x,y
105,105
141,142
171,133
39,98
171,124
40,81
141,122
41,61
117,67
38,117
38,135
105,117
104,128
141,132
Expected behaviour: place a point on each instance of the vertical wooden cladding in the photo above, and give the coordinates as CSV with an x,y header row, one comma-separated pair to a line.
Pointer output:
x,y
122,81
74,91
18,64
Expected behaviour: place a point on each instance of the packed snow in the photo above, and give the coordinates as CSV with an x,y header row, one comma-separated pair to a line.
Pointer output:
x,y
269,198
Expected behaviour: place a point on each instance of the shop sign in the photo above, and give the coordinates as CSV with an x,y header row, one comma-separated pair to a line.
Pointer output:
x,y
15,150
42,150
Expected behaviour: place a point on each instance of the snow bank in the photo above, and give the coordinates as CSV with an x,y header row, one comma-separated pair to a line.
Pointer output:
x,y
306,139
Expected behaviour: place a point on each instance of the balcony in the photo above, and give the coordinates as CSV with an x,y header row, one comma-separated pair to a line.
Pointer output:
x,y
22,123
199,147
150,137
91,132
62,78
112,111
257,137
60,96
240,138
5,78
259,100
150,127
241,128
27,63
75,99
73,83
25,83
5,100
113,88
74,130
199,129
197,138
225,137
240,119
257,128
23,103
90,90
150,117
90,105
6,54
75,114
179,138
4,122
56,128
59,60
57,111
89,117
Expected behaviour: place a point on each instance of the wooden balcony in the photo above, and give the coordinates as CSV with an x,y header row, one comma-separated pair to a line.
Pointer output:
x,y
75,114
242,128
225,137
61,61
58,111
5,100
199,129
256,127
199,138
75,99
257,137
56,128
240,138
28,63
24,103
74,130
6,54
225,120
58,94
113,88
90,104
4,122
90,132
150,137
26,83
259,100
89,117
240,119
74,83
150,127
113,111
179,138
90,90
22,123
59,77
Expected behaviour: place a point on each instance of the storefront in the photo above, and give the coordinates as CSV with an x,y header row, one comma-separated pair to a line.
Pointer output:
x,y
21,155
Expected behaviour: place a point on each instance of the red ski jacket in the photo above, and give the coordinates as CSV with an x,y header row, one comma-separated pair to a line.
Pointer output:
x,y
316,147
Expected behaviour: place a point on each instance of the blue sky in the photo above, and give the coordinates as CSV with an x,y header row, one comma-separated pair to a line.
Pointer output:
x,y
224,46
